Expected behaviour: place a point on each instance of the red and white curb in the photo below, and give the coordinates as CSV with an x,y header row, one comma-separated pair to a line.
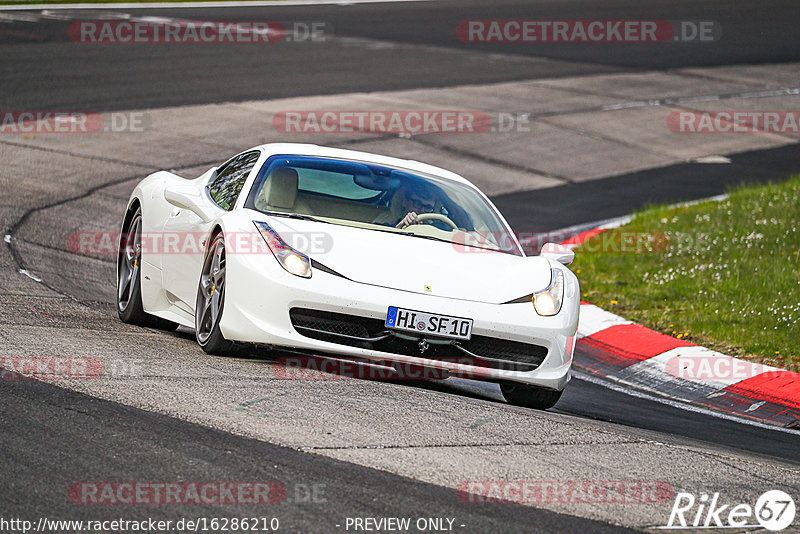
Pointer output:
x,y
631,354
643,359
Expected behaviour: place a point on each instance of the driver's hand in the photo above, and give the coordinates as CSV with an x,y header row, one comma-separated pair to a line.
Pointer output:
x,y
408,220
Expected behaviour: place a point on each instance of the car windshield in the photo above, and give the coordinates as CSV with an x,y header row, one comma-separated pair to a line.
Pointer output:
x,y
378,197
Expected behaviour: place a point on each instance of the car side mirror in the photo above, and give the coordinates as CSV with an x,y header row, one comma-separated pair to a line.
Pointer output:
x,y
189,198
559,253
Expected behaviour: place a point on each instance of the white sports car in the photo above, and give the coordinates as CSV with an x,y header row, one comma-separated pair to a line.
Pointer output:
x,y
352,256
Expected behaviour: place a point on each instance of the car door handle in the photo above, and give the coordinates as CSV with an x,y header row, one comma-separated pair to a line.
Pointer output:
x,y
175,212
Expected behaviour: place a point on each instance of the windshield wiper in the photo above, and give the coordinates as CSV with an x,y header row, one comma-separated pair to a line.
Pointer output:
x,y
294,216
412,234
421,236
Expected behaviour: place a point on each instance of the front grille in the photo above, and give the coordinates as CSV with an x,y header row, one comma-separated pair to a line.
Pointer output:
x,y
329,326
363,332
504,349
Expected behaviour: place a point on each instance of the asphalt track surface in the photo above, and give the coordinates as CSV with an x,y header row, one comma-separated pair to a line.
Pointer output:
x,y
128,443
156,447
597,200
407,46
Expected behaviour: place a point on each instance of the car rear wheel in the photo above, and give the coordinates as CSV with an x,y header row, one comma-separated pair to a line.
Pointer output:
x,y
211,301
129,283
529,396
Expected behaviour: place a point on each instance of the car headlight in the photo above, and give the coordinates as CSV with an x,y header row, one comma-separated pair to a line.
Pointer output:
x,y
294,262
548,301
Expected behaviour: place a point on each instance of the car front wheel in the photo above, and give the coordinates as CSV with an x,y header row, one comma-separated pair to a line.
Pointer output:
x,y
211,300
529,396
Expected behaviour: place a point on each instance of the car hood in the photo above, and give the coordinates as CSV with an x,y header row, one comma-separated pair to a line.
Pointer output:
x,y
416,264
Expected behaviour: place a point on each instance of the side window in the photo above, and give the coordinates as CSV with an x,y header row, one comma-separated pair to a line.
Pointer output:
x,y
229,181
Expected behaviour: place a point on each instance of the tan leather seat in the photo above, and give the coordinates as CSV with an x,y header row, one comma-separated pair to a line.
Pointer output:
x,y
395,212
279,193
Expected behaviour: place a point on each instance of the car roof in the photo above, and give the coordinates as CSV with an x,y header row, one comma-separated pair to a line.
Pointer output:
x,y
303,149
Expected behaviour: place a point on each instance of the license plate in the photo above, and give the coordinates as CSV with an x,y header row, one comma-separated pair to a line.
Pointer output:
x,y
432,324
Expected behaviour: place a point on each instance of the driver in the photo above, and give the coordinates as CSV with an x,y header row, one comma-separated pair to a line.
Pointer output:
x,y
414,205
407,205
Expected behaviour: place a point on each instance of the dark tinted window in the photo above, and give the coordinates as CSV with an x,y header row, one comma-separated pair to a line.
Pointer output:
x,y
225,188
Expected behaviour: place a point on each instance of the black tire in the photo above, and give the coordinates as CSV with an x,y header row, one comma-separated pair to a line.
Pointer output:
x,y
129,283
529,396
210,302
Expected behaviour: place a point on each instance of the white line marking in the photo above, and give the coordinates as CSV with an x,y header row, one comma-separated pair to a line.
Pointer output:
x,y
700,98
594,319
562,234
624,105
711,159
756,406
193,5
715,198
30,275
55,15
762,94
19,17
609,383
690,99
616,223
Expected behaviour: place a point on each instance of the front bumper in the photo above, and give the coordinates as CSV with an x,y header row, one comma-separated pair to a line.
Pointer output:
x,y
259,295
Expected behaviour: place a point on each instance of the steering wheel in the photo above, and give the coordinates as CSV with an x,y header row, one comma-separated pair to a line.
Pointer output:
x,y
421,218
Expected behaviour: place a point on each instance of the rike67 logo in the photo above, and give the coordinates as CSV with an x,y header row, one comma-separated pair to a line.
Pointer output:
x,y
774,510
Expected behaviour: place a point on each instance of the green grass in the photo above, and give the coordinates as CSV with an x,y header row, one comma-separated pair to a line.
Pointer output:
x,y
727,278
